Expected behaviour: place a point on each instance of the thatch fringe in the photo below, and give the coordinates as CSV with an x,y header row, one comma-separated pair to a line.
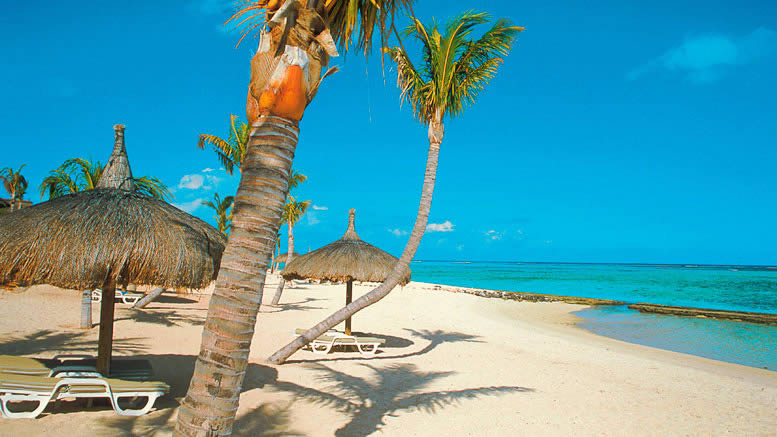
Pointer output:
x,y
80,240
348,258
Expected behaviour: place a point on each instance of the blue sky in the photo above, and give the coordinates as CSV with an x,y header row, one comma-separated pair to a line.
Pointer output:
x,y
615,131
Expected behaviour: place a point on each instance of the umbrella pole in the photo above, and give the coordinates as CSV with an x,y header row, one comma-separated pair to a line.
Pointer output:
x,y
348,297
105,341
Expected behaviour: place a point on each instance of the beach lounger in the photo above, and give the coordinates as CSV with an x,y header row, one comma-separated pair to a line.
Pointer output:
x,y
41,389
75,365
125,296
323,344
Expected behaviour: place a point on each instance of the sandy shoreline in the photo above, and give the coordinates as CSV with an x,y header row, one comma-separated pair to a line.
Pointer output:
x,y
453,364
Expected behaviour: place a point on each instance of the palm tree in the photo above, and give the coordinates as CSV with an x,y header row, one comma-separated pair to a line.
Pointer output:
x,y
453,71
231,151
15,184
223,211
293,34
78,174
292,212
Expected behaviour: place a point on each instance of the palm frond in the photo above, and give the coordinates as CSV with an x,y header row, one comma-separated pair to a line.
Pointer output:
x,y
454,69
353,24
153,187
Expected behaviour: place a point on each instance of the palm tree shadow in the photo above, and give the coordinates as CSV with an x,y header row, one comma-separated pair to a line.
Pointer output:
x,y
398,387
292,306
435,339
164,318
47,341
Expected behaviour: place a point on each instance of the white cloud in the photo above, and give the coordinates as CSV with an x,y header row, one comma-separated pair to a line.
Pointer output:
x,y
705,58
189,207
494,235
207,170
320,208
447,226
191,181
312,218
398,232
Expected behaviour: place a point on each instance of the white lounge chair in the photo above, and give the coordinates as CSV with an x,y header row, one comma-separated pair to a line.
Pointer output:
x,y
125,296
41,389
75,365
322,345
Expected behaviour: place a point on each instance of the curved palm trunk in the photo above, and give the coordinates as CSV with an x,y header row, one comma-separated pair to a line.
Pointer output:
x,y
435,138
86,309
289,256
212,400
150,297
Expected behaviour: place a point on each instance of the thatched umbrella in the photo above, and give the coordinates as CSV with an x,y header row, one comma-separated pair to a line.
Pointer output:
x,y
105,237
282,257
345,260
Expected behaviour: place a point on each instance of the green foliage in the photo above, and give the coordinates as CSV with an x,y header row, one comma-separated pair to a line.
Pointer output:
x,y
296,179
453,69
223,209
293,210
352,23
78,174
231,151
14,182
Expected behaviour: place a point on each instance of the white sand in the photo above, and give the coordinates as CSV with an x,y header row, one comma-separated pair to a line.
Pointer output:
x,y
454,364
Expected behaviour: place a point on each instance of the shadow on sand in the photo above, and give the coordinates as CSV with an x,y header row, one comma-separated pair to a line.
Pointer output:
x,y
51,342
291,306
367,401
160,317
391,389
435,339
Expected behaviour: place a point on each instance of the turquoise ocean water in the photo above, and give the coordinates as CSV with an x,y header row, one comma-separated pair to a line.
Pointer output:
x,y
741,288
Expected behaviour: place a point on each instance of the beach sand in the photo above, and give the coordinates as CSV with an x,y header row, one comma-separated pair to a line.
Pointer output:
x,y
453,364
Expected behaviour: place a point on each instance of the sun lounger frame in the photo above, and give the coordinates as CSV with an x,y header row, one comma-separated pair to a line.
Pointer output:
x,y
126,297
62,389
367,346
77,369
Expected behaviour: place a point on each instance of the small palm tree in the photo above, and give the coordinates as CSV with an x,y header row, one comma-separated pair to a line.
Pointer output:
x,y
232,151
292,213
454,69
223,208
15,184
78,174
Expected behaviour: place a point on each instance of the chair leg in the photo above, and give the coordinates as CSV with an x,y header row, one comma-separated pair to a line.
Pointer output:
x,y
43,401
134,412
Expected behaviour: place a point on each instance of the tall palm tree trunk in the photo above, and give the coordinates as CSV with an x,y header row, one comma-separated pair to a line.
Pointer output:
x,y
289,256
436,131
212,400
13,200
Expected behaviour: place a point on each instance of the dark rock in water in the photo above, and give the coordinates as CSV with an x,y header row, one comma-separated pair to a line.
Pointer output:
x,y
739,316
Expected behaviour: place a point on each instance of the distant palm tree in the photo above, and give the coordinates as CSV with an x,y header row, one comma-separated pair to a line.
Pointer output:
x,y
454,69
232,151
223,208
78,174
292,212
15,184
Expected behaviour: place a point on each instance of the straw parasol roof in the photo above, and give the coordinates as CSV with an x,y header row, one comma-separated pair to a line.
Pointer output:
x,y
80,240
282,257
117,173
347,259
106,237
